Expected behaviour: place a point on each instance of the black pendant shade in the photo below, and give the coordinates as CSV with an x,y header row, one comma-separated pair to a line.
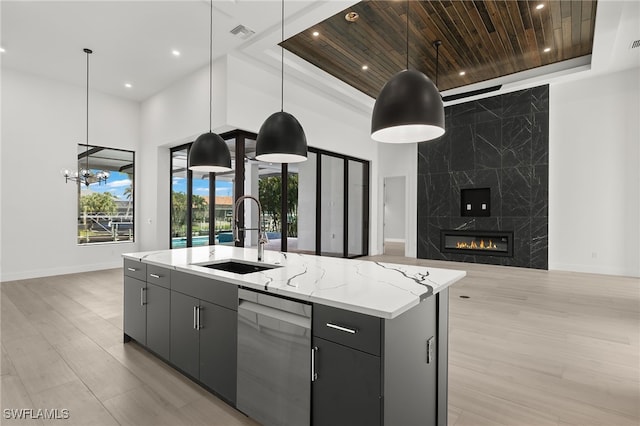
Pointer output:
x,y
209,153
281,139
408,109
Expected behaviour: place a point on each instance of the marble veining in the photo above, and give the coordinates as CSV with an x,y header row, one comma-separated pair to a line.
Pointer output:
x,y
500,143
381,289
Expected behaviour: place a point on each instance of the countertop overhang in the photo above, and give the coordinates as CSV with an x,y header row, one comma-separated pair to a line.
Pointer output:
x,y
385,290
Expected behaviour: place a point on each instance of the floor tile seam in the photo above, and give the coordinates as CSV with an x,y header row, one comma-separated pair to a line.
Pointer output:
x,y
87,387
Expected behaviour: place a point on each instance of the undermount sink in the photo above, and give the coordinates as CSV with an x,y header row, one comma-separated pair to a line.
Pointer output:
x,y
238,267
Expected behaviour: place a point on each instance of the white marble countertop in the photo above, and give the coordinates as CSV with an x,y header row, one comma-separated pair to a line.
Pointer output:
x,y
384,290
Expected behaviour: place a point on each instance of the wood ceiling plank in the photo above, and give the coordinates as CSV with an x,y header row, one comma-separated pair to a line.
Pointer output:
x,y
487,39
484,42
443,30
567,47
506,34
549,36
556,14
586,31
480,45
576,26
558,51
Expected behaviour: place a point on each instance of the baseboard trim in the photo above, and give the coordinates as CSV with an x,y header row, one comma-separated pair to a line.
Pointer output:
x,y
48,272
394,240
594,269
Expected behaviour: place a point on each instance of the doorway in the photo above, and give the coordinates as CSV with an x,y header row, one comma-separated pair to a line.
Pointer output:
x,y
394,216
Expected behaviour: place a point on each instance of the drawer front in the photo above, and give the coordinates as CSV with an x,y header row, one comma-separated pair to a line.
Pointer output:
x,y
135,269
358,331
159,276
208,289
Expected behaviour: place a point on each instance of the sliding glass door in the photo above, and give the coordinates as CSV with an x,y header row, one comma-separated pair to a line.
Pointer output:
x,y
320,206
332,213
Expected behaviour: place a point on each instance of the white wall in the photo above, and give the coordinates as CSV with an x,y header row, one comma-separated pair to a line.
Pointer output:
x,y
250,95
42,123
400,160
594,177
174,116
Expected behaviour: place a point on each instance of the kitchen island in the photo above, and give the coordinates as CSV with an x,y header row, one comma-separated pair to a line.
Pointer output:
x,y
371,337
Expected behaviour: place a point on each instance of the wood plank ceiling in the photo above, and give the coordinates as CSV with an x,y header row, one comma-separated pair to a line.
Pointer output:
x,y
483,39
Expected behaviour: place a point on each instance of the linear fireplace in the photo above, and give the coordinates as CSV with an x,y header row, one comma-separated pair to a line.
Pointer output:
x,y
471,241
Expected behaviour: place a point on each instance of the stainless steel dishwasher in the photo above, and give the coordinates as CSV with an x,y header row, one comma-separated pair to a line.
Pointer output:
x,y
274,359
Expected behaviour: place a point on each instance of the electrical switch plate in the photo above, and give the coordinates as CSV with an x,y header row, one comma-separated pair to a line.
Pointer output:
x,y
469,207
484,206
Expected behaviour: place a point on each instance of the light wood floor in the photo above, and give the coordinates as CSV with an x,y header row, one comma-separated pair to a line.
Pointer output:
x,y
526,348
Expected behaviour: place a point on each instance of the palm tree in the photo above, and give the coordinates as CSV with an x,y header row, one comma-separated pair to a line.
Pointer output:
x,y
128,194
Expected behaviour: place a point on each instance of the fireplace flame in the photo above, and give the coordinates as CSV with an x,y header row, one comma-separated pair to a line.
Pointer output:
x,y
489,245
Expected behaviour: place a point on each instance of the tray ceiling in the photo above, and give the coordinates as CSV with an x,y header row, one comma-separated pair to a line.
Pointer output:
x,y
483,39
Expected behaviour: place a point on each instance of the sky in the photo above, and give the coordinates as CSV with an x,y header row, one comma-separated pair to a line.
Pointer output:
x,y
116,184
119,182
201,186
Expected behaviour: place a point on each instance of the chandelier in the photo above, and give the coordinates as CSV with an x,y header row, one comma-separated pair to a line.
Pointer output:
x,y
85,175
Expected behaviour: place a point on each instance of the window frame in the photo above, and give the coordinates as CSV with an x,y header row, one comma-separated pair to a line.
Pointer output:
x,y
93,149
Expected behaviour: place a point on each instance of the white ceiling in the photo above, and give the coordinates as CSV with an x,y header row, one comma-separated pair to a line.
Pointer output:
x,y
132,41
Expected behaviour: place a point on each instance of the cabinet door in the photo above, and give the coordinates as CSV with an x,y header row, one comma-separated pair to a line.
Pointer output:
x,y
218,348
158,325
347,390
184,335
135,316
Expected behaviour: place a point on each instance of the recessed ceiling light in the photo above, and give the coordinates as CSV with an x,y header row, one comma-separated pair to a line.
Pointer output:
x,y
462,72
352,16
365,67
128,85
175,52
540,6
2,50
547,49
315,33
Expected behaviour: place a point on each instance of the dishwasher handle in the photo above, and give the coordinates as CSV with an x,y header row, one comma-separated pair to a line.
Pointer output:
x,y
278,314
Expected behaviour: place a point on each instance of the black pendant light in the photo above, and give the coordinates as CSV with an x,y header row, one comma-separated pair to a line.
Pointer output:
x,y
409,107
209,153
281,138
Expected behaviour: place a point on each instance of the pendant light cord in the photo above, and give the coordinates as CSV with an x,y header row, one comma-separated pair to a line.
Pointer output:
x,y
437,44
437,63
407,34
210,62
282,59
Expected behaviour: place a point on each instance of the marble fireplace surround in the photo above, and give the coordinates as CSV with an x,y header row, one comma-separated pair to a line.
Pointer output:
x,y
501,143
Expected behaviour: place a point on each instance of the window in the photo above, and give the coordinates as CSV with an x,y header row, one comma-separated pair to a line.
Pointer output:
x,y
320,206
106,209
201,209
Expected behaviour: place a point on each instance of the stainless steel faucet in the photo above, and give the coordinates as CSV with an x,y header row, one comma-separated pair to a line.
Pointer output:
x,y
262,236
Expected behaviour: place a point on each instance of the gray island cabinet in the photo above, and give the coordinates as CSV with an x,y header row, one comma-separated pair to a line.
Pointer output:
x,y
378,339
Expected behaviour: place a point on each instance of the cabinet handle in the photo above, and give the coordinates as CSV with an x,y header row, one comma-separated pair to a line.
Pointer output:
x,y
314,375
154,276
132,269
340,328
195,317
198,326
142,301
429,350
